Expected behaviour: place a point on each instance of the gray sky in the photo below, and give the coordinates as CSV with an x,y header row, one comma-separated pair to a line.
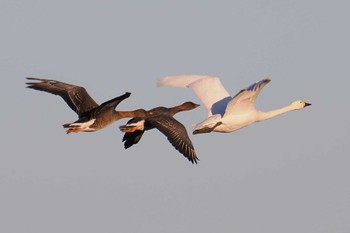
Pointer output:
x,y
288,174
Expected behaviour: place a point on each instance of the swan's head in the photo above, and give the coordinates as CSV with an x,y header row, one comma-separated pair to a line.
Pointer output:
x,y
299,104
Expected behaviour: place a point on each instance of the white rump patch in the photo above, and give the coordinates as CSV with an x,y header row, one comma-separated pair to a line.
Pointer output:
x,y
83,125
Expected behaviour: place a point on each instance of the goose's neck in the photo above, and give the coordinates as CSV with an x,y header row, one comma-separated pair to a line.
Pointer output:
x,y
176,109
270,114
129,114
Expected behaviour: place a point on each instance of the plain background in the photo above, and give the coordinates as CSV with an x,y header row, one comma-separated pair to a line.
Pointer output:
x,y
288,174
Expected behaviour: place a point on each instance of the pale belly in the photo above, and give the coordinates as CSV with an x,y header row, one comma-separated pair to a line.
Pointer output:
x,y
233,123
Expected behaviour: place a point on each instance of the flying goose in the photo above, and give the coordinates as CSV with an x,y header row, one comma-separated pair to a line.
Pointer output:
x,y
91,116
162,119
225,113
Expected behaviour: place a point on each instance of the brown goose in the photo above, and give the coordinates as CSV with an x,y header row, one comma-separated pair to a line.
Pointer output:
x,y
92,116
162,119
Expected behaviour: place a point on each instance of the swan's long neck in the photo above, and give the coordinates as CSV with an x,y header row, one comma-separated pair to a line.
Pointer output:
x,y
270,114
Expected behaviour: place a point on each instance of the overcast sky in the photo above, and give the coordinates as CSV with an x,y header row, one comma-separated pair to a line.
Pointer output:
x,y
288,174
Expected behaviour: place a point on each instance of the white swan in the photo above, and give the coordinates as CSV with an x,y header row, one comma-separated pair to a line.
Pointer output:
x,y
225,113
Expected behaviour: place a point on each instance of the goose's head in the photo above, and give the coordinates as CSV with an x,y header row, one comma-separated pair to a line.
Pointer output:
x,y
299,104
189,105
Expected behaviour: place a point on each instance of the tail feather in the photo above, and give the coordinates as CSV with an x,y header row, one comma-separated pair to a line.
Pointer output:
x,y
68,125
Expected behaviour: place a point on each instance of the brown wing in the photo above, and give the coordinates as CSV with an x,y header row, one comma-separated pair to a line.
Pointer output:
x,y
176,134
76,97
112,104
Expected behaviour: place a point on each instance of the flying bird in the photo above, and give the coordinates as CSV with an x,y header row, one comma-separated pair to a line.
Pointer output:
x,y
162,119
91,116
225,113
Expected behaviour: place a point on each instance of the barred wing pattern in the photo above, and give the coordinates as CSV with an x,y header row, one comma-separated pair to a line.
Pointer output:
x,y
76,97
176,134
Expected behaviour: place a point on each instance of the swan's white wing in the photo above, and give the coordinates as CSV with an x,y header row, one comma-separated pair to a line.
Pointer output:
x,y
208,89
208,123
245,100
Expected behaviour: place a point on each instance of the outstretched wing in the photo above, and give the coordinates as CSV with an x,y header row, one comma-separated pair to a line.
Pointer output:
x,y
245,99
76,97
176,134
208,89
112,104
